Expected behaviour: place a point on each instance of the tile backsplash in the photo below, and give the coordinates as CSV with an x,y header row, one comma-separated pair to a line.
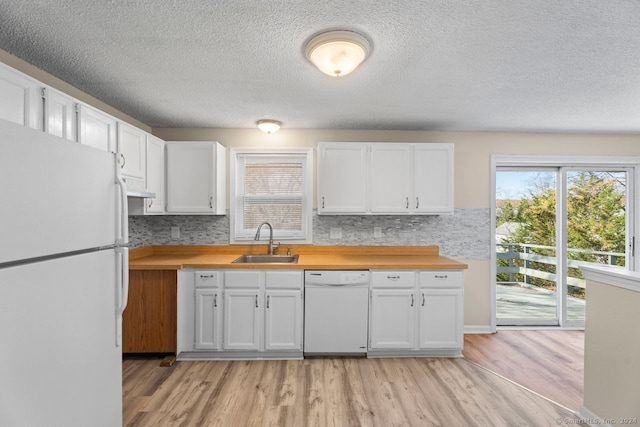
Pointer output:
x,y
464,235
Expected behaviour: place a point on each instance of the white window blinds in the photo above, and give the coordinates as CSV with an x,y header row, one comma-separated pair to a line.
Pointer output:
x,y
271,188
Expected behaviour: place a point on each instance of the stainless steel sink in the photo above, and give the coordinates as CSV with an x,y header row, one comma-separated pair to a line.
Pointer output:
x,y
267,259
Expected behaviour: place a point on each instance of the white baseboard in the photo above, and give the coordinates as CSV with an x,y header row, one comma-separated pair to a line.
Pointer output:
x,y
588,417
477,329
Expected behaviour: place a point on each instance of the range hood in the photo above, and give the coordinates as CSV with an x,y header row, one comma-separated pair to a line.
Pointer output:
x,y
141,193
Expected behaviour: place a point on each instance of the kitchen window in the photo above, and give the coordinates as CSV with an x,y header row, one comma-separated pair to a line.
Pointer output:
x,y
274,187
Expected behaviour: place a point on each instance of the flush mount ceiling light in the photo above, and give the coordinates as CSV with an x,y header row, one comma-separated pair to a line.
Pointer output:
x,y
337,53
269,126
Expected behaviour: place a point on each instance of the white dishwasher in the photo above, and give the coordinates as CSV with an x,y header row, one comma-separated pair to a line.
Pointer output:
x,y
336,312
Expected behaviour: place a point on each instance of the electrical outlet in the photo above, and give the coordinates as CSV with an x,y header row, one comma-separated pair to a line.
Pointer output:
x,y
377,232
175,232
335,233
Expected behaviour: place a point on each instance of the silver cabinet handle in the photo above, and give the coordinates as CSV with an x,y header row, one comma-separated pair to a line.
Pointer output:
x,y
206,276
150,203
407,203
322,202
267,301
256,301
215,300
211,202
441,277
423,300
393,277
412,300
417,203
123,161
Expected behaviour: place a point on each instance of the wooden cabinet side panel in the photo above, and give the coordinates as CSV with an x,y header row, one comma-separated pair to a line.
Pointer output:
x,y
149,323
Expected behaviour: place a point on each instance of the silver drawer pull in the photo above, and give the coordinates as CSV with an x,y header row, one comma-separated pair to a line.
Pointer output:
x,y
412,300
423,300
393,277
441,277
256,301
215,300
206,276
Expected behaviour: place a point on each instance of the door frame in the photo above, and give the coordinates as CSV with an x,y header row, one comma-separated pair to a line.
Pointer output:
x,y
532,161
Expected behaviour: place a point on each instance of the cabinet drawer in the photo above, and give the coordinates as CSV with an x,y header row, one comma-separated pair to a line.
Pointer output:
x,y
242,279
393,279
208,279
441,279
284,280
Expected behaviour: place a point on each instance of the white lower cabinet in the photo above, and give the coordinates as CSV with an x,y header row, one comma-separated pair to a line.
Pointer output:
x,y
263,310
208,319
242,312
283,320
392,319
441,318
416,313
208,310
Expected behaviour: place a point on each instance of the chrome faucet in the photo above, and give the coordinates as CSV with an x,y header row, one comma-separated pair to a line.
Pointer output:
x,y
271,245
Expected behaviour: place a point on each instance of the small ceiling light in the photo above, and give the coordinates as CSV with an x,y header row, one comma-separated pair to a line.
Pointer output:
x,y
337,53
269,126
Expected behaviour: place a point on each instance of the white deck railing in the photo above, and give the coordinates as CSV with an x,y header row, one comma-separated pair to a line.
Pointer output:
x,y
525,252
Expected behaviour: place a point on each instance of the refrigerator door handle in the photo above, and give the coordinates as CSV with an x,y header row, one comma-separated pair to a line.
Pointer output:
x,y
122,289
123,238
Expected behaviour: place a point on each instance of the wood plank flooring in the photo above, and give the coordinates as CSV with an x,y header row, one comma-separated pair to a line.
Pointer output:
x,y
328,392
549,362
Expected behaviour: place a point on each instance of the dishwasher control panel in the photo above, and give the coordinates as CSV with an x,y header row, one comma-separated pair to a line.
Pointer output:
x,y
352,278
336,277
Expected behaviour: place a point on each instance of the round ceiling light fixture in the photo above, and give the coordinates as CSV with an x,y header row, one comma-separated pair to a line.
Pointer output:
x,y
269,126
337,53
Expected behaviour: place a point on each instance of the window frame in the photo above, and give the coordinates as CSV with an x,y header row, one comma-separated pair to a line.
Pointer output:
x,y
307,196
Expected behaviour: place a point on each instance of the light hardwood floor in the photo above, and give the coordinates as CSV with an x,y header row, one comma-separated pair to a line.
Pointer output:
x,y
549,362
328,392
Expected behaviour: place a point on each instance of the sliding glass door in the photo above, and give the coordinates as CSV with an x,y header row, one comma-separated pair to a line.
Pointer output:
x,y
549,222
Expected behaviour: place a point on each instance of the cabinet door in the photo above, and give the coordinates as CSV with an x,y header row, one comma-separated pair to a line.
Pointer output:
x,y
242,318
208,319
342,178
283,323
392,323
21,101
441,318
59,114
96,129
155,174
433,178
132,148
390,178
190,177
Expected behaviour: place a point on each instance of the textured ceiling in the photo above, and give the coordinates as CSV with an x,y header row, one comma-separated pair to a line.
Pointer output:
x,y
530,65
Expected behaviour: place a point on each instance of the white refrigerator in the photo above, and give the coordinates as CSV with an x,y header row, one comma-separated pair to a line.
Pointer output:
x,y
63,281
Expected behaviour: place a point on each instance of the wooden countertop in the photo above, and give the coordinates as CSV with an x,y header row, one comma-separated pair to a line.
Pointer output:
x,y
310,258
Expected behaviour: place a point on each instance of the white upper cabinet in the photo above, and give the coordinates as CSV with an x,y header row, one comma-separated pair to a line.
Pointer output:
x,y
96,129
59,114
196,178
20,98
132,155
390,178
385,178
342,178
155,175
433,178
